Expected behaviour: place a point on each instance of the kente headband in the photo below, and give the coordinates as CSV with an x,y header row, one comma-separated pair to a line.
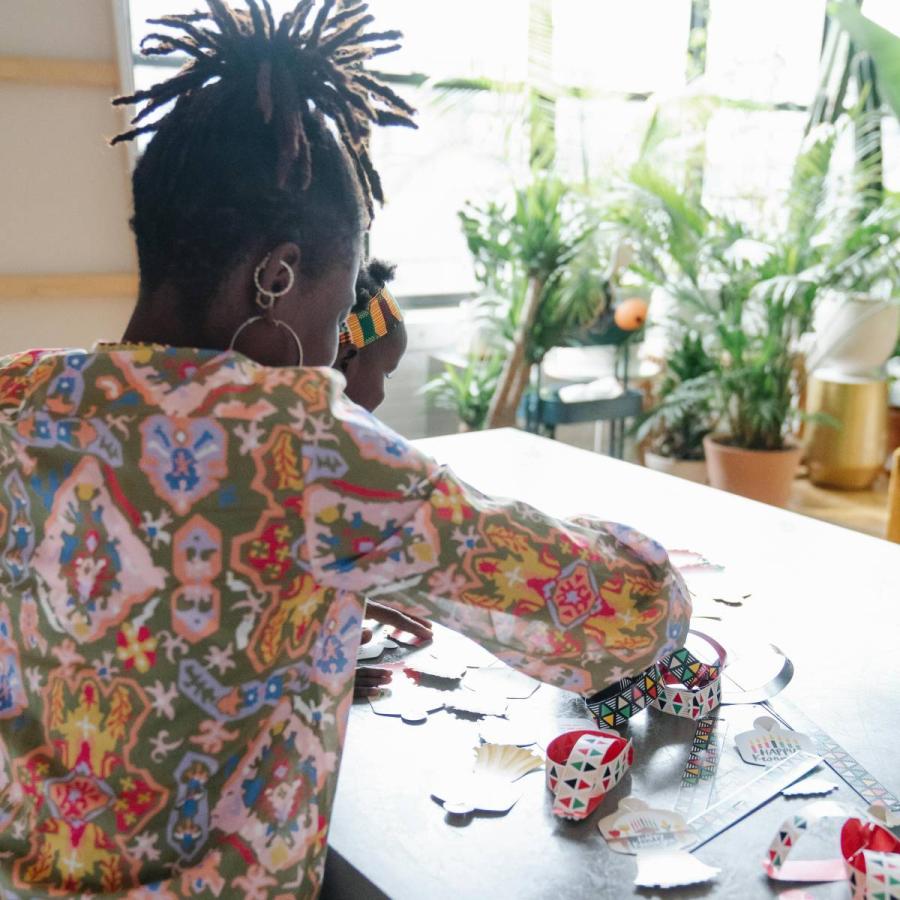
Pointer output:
x,y
381,316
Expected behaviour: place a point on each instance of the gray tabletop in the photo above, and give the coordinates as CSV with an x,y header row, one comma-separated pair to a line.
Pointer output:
x,y
826,596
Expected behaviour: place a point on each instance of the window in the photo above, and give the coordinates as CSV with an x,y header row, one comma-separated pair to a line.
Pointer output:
x,y
608,56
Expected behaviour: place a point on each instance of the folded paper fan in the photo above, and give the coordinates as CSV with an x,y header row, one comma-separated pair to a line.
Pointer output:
x,y
506,761
583,767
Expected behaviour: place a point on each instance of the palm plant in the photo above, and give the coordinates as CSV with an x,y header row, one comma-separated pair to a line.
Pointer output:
x,y
539,263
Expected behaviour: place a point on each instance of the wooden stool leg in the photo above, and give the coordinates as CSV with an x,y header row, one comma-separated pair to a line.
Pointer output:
x,y
893,528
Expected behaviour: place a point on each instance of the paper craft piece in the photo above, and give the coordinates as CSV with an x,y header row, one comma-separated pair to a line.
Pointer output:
x,y
583,767
780,867
374,648
430,665
872,856
670,869
810,787
635,827
404,699
504,731
745,798
698,776
475,704
842,763
615,706
688,687
768,743
490,787
502,681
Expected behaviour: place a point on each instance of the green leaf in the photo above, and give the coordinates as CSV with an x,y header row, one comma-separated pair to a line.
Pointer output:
x,y
879,43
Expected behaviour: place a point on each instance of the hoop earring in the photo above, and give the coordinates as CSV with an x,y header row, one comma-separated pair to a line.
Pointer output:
x,y
266,300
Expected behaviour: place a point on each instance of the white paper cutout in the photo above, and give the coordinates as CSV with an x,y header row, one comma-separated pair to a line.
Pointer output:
x,y
430,665
506,731
635,827
374,648
502,681
769,743
670,869
490,786
475,704
884,816
810,787
407,700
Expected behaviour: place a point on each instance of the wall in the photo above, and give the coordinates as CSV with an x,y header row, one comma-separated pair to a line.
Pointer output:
x,y
66,253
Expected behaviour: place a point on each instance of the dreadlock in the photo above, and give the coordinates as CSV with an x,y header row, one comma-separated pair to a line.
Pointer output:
x,y
372,277
268,139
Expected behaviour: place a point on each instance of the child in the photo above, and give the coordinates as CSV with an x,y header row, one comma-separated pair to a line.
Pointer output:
x,y
373,339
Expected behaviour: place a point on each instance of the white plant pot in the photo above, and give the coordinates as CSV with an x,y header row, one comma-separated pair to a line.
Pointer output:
x,y
854,333
689,469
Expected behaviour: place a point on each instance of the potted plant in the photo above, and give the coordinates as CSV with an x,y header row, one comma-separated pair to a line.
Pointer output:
x,y
467,390
674,428
542,271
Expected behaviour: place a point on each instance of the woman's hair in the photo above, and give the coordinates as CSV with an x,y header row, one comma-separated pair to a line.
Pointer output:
x,y
372,277
268,140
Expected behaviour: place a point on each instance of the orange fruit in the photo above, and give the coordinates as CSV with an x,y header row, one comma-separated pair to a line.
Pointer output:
x,y
631,314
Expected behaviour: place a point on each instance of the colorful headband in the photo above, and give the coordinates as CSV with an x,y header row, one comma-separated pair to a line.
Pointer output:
x,y
381,316
583,767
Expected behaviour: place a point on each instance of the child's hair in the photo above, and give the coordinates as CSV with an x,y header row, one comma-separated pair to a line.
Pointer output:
x,y
268,140
375,312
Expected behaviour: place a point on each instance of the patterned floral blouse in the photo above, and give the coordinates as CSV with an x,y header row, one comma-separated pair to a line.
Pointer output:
x,y
185,541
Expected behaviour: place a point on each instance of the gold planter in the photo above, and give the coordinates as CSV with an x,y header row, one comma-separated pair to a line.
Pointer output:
x,y
852,455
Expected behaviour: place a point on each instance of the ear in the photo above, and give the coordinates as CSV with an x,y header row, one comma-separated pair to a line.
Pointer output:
x,y
280,268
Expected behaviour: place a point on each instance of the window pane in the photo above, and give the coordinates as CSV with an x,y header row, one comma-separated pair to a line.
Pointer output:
x,y
764,50
613,45
885,12
749,160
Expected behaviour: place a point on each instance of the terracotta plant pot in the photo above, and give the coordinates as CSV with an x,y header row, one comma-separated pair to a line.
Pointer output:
x,y
764,475
689,469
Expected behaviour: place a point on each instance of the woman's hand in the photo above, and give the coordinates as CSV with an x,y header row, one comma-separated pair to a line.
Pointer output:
x,y
402,621
369,682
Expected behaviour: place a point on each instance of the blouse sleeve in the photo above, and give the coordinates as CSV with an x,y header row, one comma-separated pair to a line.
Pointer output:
x,y
577,604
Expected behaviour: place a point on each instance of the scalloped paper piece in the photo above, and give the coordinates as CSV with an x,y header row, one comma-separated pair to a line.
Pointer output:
x,y
768,743
635,827
496,730
374,648
810,787
780,867
670,869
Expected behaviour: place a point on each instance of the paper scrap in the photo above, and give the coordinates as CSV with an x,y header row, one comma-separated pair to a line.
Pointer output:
x,y
406,700
374,648
810,787
670,869
769,742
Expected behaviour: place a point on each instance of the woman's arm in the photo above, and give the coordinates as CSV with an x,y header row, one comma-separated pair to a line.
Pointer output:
x,y
577,604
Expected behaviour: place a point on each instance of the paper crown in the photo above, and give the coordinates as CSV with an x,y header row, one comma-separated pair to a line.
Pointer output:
x,y
381,316
583,767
